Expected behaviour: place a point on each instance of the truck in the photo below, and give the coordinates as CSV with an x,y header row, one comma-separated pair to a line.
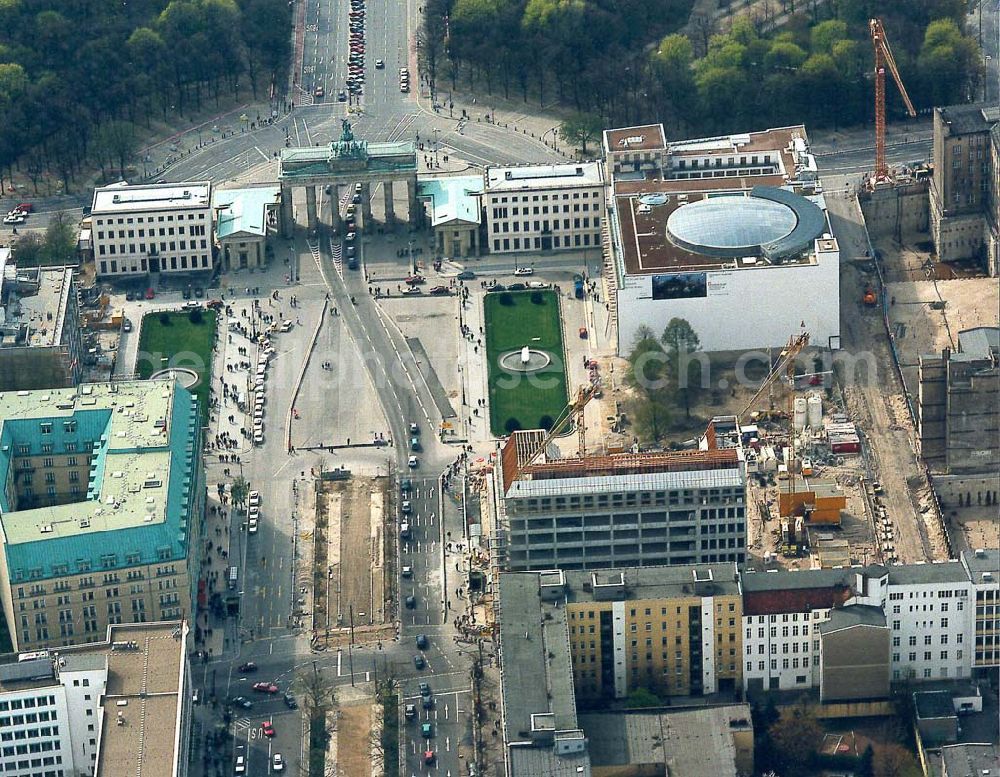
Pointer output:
x,y
404,530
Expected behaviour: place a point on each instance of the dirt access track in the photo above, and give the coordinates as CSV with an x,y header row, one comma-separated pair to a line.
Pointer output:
x,y
352,546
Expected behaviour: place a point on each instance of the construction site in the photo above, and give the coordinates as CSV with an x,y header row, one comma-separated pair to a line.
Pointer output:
x,y
352,557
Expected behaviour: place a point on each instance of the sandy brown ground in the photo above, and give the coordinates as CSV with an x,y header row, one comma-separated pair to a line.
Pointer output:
x,y
355,552
354,756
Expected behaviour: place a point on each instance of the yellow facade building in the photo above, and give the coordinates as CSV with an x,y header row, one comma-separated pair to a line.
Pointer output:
x,y
672,630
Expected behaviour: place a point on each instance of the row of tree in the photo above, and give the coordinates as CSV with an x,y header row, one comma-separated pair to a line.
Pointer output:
x,y
627,62
665,376
77,77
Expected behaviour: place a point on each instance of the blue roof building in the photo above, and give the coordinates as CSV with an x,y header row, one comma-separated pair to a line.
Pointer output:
x,y
101,484
454,206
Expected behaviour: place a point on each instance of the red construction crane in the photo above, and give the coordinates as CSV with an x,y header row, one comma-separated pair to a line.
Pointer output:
x,y
883,59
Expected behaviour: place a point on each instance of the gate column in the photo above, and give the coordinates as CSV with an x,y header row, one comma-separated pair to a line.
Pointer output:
x,y
311,208
286,212
366,207
390,212
412,204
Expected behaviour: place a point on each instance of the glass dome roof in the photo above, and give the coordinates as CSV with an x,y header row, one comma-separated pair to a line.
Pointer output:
x,y
731,223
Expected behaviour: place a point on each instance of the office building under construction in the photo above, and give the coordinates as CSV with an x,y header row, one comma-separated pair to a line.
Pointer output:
x,y
628,509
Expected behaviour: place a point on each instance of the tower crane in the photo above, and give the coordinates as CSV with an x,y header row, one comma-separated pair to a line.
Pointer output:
x,y
572,411
883,60
786,363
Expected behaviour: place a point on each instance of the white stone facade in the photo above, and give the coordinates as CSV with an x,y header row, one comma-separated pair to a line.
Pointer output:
x,y
540,208
164,228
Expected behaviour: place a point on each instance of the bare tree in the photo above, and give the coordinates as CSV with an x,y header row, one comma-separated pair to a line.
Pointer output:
x,y
317,693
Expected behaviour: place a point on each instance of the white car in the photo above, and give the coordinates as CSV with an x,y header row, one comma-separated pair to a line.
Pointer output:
x,y
241,765
412,462
523,271
277,763
258,436
254,511
17,218
253,498
286,326
252,526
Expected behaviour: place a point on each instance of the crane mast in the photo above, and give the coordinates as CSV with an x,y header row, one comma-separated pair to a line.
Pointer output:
x,y
884,59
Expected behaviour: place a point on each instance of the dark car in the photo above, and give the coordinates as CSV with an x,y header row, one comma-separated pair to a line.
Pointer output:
x,y
440,290
466,275
130,295
186,293
241,701
517,287
422,641
418,661
248,668
199,292
405,484
290,702
411,602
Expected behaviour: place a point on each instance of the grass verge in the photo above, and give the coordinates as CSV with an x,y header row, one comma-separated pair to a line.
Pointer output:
x,y
513,320
318,739
184,340
390,735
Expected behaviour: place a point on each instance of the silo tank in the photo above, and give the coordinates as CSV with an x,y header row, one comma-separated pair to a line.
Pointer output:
x,y
799,415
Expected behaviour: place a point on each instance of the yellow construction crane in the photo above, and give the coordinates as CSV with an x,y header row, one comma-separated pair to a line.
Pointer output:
x,y
883,59
785,365
573,410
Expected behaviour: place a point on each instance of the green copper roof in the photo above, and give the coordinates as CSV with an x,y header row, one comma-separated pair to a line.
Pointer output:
x,y
243,210
143,481
452,197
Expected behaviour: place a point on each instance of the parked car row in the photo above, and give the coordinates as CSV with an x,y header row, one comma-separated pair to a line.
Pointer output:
x,y
356,57
404,79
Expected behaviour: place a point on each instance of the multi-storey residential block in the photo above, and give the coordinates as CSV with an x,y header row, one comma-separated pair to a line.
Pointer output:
x,y
983,567
686,507
960,196
929,611
674,630
532,208
40,344
101,505
926,607
120,706
781,614
158,228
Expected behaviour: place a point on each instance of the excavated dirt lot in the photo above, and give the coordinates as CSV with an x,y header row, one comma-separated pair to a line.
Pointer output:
x,y
351,553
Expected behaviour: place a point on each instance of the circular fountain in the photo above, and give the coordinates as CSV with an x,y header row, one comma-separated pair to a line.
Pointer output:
x,y
525,360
